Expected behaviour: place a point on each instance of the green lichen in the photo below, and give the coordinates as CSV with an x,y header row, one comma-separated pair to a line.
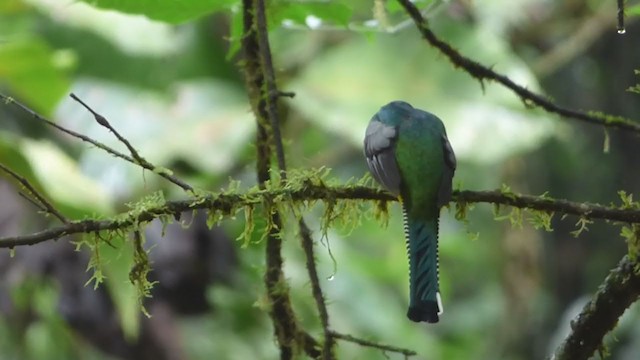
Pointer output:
x,y
631,234
139,273
627,201
540,219
514,216
92,242
249,226
582,225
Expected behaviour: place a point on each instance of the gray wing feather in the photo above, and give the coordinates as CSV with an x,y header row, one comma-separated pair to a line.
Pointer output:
x,y
379,149
446,186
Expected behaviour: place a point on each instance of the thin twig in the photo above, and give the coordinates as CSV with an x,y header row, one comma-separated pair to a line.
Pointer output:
x,y
161,172
316,289
32,202
371,344
600,315
44,204
104,122
482,73
621,29
225,203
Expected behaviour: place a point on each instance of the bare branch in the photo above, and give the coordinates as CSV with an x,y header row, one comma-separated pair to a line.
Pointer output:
x,y
40,200
146,165
482,73
372,344
104,122
316,289
600,315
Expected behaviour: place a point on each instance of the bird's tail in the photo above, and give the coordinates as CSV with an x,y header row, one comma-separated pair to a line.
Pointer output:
x,y
422,247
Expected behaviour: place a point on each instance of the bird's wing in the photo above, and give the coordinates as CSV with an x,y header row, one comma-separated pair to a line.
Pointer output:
x,y
444,193
379,144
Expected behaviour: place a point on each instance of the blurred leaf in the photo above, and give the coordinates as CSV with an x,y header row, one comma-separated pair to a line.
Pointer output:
x,y
117,262
171,11
332,12
151,37
632,10
12,6
63,180
34,72
12,157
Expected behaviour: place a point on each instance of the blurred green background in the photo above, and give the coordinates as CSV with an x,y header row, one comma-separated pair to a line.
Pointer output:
x,y
166,75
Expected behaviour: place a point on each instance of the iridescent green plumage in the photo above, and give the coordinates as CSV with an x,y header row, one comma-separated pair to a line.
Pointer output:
x,y
408,152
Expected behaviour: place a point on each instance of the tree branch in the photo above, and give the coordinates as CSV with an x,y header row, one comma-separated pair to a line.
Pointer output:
x,y
619,290
101,120
260,79
621,29
40,201
482,73
165,173
316,289
226,203
375,345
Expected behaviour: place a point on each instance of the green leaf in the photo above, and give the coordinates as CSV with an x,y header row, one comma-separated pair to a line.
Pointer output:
x,y
117,262
171,11
632,10
329,11
63,180
34,72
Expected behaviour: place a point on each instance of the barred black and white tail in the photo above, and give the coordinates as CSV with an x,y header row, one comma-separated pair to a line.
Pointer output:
x,y
421,235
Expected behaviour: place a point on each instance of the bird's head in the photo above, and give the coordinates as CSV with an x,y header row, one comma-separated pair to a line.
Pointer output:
x,y
394,112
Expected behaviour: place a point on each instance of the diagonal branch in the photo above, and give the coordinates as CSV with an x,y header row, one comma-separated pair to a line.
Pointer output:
x,y
104,122
165,173
482,73
600,315
40,201
375,345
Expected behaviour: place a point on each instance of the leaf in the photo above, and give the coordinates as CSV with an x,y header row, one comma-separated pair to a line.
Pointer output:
x,y
332,12
633,10
63,180
171,11
34,72
118,261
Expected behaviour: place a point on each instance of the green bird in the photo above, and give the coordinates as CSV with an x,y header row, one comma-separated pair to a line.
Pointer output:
x,y
409,154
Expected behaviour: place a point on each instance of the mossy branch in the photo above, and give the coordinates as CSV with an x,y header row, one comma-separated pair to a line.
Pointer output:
x,y
260,79
600,315
306,191
529,98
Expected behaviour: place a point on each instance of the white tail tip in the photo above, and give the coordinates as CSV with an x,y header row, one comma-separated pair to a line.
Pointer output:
x,y
440,307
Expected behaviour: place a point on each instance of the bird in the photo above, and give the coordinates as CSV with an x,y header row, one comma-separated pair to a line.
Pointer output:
x,y
409,154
